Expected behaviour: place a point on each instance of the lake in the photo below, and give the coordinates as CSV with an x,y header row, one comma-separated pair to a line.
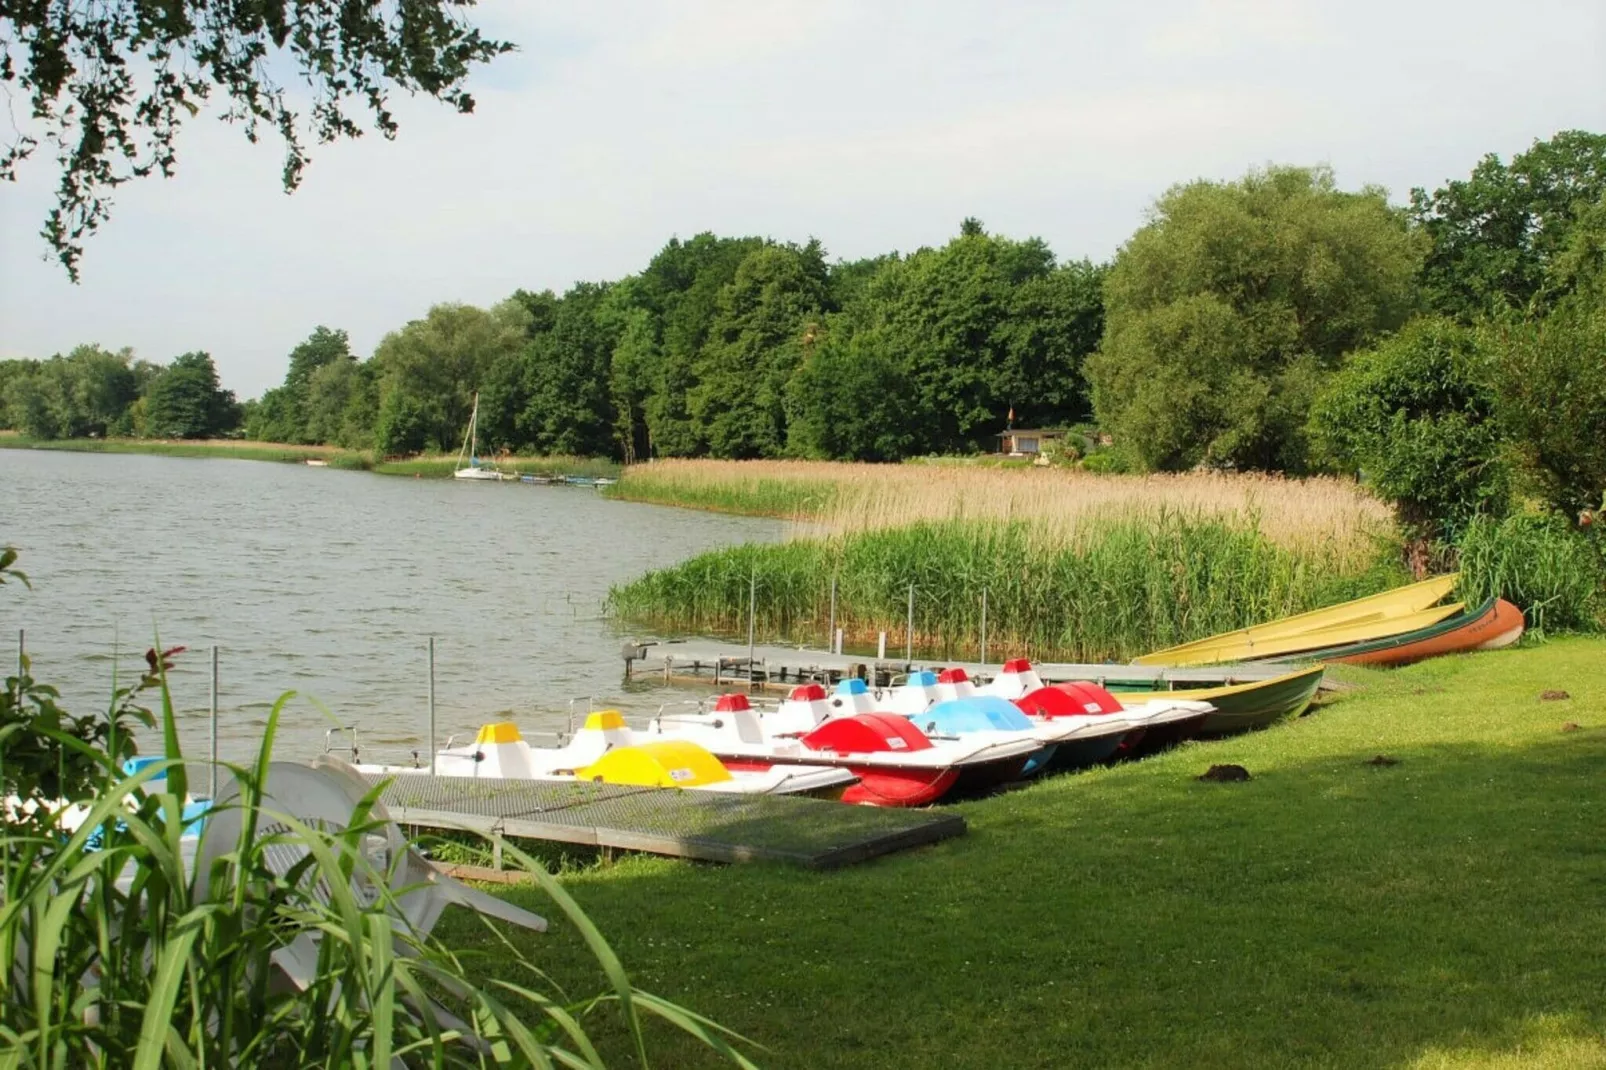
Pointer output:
x,y
329,583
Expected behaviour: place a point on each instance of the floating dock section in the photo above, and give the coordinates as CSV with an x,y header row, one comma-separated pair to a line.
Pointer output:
x,y
710,826
776,667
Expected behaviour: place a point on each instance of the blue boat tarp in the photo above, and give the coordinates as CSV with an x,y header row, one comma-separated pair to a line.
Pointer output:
x,y
974,713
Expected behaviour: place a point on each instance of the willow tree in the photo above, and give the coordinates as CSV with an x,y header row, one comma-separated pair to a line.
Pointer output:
x,y
1226,312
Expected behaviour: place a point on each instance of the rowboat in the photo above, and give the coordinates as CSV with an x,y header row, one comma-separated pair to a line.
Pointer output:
x,y
1240,707
896,763
1495,623
1362,620
606,751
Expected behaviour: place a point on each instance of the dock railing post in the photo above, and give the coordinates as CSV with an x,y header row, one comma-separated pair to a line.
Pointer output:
x,y
838,648
830,626
881,647
909,642
432,705
752,621
212,777
983,658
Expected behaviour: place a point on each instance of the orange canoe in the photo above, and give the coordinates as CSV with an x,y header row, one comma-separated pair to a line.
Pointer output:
x,y
1496,623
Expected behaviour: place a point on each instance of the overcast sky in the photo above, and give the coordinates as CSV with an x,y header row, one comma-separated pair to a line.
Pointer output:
x,y
873,125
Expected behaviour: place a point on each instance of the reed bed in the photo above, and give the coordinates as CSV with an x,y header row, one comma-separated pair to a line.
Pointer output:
x,y
1113,589
1324,515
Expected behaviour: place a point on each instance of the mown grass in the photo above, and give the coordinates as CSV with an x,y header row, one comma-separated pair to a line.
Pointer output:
x,y
1113,590
1442,912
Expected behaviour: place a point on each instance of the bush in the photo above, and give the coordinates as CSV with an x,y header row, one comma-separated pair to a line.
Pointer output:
x,y
1550,377
1416,416
1542,564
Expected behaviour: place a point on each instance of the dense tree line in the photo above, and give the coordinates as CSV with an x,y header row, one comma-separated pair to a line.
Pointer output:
x,y
1450,349
92,392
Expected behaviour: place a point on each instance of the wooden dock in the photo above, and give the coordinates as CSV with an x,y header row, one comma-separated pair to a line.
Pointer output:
x,y
710,826
781,668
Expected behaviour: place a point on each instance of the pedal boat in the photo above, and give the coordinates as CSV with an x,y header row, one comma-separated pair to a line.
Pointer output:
x,y
896,763
607,751
1153,724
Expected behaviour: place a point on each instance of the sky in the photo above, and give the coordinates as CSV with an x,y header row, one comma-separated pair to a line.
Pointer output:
x,y
874,125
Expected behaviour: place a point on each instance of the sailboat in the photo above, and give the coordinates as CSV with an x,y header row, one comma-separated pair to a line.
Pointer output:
x,y
473,470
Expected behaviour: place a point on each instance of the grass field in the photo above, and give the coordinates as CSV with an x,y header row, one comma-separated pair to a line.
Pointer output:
x,y
1445,911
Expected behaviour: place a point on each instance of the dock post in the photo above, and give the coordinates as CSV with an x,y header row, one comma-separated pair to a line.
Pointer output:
x,y
983,658
752,620
432,705
838,648
909,643
830,626
881,647
212,781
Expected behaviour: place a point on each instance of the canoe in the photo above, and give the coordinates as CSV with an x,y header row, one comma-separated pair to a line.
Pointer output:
x,y
1367,618
1241,707
1494,624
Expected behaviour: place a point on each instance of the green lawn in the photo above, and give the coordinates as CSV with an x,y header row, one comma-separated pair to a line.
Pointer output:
x,y
1445,911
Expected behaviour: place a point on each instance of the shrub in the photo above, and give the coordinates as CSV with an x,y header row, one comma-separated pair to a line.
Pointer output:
x,y
1550,377
1416,416
1541,563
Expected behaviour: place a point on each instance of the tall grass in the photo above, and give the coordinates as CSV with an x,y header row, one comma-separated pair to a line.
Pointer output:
x,y
1556,573
1323,515
1112,589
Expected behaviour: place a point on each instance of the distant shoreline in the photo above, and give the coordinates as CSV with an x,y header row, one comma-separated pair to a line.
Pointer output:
x,y
425,467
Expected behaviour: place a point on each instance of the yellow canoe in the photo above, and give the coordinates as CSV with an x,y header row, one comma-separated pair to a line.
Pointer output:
x,y
1374,617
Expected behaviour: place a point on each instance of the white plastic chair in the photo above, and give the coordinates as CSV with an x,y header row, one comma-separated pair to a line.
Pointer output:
x,y
324,796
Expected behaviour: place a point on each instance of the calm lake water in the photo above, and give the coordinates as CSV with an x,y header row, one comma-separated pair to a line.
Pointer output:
x,y
329,583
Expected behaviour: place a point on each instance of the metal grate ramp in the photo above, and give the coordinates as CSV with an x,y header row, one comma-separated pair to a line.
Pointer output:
x,y
815,833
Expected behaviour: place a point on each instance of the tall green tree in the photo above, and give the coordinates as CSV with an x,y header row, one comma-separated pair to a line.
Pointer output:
x,y
341,405
564,403
1550,380
1225,312
187,401
429,371
768,314
681,287
1497,233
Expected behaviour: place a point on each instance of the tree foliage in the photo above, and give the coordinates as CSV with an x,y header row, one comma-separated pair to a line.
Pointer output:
x,y
1550,375
429,371
1416,416
1224,313
186,401
109,85
1497,235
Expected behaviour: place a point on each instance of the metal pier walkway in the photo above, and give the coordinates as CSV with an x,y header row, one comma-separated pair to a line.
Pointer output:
x,y
778,667
710,826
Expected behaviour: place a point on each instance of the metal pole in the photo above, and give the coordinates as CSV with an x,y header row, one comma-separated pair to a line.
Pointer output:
x,y
984,627
432,705
881,647
752,619
213,779
838,648
909,643
830,627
